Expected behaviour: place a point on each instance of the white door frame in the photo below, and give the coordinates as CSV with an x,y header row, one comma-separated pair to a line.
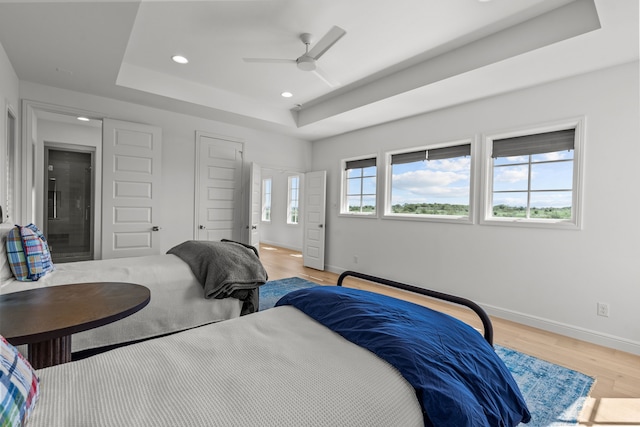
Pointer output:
x,y
30,169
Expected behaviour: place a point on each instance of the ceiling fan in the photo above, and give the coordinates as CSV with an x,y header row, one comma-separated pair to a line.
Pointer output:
x,y
307,61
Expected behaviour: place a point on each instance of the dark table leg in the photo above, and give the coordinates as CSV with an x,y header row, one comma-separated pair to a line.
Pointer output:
x,y
49,353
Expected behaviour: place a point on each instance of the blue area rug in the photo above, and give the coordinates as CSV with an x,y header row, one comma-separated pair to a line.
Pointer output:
x,y
273,290
554,394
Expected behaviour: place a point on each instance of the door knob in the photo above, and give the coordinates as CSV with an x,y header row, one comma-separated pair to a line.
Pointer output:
x,y
320,225
201,227
155,228
254,227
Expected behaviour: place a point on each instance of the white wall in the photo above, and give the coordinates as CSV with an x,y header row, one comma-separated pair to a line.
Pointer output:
x,y
8,100
178,149
546,278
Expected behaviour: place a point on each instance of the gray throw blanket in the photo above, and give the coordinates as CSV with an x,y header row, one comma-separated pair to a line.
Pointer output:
x,y
225,269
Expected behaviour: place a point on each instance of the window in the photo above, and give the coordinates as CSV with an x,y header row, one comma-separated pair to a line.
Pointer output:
x,y
359,186
293,200
266,199
534,178
430,183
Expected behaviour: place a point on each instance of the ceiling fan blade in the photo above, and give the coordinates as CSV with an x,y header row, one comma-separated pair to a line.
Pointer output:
x,y
322,75
270,60
329,39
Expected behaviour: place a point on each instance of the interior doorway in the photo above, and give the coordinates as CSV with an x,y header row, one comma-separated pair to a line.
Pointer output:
x,y
69,211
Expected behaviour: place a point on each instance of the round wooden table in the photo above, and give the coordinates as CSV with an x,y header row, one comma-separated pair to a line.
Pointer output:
x,y
45,318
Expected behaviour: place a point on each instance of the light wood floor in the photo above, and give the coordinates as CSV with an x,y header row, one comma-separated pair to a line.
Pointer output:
x,y
615,398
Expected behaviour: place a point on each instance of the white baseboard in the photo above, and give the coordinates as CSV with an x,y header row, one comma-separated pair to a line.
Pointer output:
x,y
333,269
583,334
572,331
280,245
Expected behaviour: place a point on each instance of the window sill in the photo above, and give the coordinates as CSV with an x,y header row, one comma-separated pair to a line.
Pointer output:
x,y
430,218
358,215
551,224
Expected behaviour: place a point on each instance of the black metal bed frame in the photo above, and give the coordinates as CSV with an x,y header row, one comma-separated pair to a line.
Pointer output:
x,y
484,317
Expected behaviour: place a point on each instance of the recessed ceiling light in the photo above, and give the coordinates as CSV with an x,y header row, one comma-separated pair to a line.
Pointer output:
x,y
180,59
286,94
83,119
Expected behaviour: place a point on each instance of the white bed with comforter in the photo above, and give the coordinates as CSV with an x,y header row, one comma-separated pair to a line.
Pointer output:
x,y
177,300
215,376
177,297
324,356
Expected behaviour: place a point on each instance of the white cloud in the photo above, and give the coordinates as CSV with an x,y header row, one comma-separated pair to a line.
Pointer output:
x,y
557,155
436,181
427,186
459,164
512,174
427,179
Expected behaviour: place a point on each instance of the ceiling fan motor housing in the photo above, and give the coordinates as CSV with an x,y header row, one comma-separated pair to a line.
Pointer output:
x,y
306,63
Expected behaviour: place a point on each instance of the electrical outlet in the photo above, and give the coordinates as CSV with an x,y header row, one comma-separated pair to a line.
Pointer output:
x,y
603,309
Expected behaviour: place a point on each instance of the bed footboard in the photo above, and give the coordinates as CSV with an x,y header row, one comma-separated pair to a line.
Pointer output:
x,y
484,317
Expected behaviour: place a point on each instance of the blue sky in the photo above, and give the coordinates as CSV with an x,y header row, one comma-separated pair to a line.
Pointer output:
x,y
434,181
448,180
544,176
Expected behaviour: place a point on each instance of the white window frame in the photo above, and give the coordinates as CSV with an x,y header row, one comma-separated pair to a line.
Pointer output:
x,y
470,219
575,223
290,199
266,193
344,189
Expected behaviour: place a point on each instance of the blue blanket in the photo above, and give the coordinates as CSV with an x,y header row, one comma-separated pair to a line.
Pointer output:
x,y
458,378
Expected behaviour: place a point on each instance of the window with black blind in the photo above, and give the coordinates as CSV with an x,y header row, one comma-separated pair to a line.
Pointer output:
x,y
533,177
430,182
359,186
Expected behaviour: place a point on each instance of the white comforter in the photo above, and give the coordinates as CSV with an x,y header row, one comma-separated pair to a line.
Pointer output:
x,y
273,368
177,299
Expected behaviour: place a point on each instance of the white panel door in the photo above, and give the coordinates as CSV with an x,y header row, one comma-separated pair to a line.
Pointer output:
x,y
132,157
219,189
255,205
314,223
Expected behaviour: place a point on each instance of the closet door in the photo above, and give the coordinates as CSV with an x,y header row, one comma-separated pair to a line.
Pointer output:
x,y
315,197
131,189
218,199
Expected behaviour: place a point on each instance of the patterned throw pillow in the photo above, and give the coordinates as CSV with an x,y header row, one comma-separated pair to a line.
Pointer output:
x,y
28,253
15,253
19,386
5,268
43,249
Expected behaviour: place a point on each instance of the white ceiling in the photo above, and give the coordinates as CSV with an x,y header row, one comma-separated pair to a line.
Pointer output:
x,y
399,57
